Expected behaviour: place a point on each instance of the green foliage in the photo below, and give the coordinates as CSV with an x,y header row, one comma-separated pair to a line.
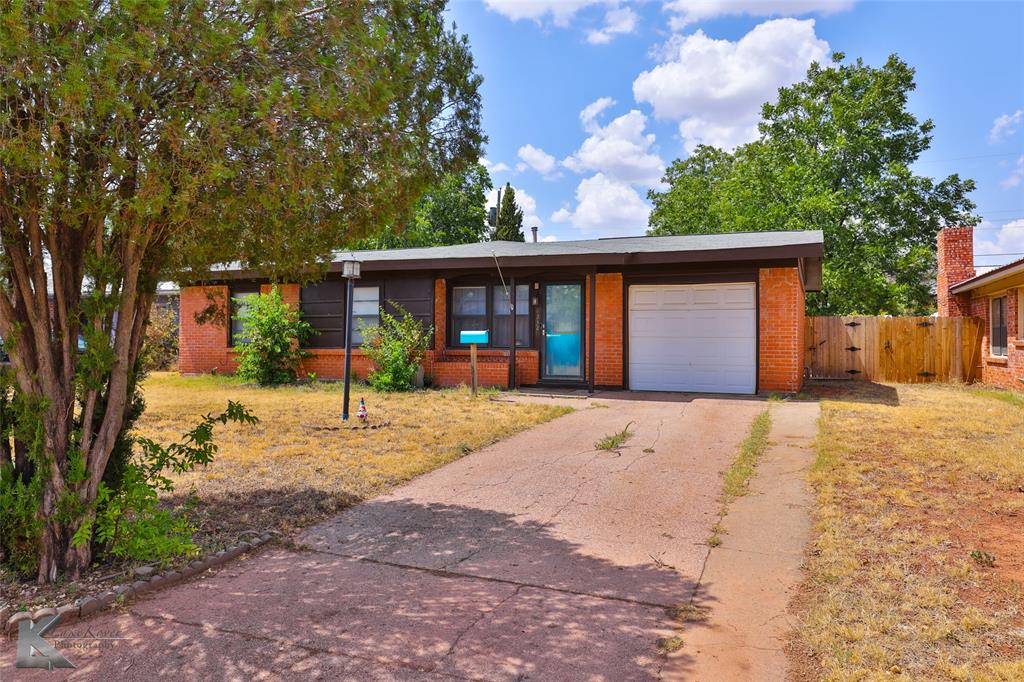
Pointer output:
x,y
21,487
615,440
452,211
835,154
509,223
20,527
273,334
129,521
160,347
396,347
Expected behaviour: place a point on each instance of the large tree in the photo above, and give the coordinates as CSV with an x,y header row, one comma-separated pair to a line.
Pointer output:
x,y
142,140
508,225
452,211
835,153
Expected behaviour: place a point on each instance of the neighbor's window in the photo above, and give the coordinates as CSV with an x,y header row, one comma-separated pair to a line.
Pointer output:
x,y
999,326
365,311
502,315
241,296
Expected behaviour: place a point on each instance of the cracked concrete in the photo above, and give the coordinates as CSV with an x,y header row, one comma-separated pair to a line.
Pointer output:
x,y
751,577
530,559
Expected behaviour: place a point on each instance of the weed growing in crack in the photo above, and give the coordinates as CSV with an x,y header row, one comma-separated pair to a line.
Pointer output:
x,y
615,440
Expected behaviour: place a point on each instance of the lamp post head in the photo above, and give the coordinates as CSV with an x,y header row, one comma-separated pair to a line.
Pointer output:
x,y
350,269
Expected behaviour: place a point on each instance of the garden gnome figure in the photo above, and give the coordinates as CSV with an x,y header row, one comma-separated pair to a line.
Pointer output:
x,y
361,412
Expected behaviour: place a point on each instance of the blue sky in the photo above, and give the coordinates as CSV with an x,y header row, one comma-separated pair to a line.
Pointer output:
x,y
586,101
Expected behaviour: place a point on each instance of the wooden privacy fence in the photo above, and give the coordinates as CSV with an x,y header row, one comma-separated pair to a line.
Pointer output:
x,y
896,349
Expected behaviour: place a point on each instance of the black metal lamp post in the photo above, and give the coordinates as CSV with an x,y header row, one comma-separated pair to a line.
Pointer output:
x,y
350,271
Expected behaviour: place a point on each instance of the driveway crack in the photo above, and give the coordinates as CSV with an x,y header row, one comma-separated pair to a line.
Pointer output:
x,y
473,624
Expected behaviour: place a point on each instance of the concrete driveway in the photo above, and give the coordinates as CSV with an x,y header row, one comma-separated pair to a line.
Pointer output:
x,y
539,557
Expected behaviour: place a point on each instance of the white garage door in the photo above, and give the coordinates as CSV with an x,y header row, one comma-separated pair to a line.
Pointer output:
x,y
693,337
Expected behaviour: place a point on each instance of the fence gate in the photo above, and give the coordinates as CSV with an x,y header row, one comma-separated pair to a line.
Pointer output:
x,y
895,349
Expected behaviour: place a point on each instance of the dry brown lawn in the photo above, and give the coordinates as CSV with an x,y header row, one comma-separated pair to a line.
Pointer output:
x,y
297,466
917,568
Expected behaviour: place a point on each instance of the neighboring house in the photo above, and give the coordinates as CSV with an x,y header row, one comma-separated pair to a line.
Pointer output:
x,y
717,313
997,297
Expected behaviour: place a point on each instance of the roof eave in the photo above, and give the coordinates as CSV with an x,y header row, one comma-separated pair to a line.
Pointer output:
x,y
988,278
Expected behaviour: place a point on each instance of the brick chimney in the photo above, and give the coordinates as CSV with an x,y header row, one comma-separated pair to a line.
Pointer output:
x,y
955,264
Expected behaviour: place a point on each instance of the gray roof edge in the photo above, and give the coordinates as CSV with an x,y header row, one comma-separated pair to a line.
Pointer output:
x,y
1011,268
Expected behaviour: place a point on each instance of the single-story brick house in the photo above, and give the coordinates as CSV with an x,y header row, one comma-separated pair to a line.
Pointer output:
x,y
997,297
705,313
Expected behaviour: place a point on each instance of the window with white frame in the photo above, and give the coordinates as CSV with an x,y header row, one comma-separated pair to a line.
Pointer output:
x,y
365,311
997,319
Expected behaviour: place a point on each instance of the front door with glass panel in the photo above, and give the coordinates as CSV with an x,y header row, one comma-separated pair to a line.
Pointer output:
x,y
562,332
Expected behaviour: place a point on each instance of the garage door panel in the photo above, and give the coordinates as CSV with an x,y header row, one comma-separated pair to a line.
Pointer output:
x,y
693,337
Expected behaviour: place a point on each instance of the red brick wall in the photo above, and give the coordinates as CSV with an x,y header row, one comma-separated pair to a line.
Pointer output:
x,y
203,347
782,330
1006,372
609,330
955,256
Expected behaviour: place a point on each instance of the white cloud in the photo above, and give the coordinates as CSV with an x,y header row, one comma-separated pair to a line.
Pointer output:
x,y
560,11
1014,178
588,117
1005,125
621,150
715,88
617,21
686,12
605,207
549,238
1009,238
525,202
537,159
492,168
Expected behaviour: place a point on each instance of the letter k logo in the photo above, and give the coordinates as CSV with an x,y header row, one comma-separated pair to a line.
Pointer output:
x,y
30,639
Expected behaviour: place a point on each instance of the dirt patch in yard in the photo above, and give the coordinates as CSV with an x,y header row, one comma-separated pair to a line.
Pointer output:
x,y
917,565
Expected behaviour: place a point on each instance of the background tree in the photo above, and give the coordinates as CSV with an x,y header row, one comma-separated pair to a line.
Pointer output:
x,y
142,141
508,226
453,211
834,154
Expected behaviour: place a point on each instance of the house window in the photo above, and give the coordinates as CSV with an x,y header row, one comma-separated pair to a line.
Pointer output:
x,y
502,315
365,311
241,298
469,310
998,320
480,307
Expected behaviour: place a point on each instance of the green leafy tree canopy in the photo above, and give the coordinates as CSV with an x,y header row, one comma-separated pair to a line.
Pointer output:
x,y
834,154
453,211
509,223
143,140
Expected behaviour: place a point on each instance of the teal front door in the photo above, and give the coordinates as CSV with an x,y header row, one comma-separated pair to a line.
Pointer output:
x,y
562,332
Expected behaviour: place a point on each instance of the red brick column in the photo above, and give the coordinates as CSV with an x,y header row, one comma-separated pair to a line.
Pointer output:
x,y
955,260
608,331
203,347
782,330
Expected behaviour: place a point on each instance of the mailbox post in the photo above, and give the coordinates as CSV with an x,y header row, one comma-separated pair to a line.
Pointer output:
x,y
473,338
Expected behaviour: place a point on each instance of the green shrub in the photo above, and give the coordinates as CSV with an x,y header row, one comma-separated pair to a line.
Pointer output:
x,y
160,347
129,522
397,347
273,334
